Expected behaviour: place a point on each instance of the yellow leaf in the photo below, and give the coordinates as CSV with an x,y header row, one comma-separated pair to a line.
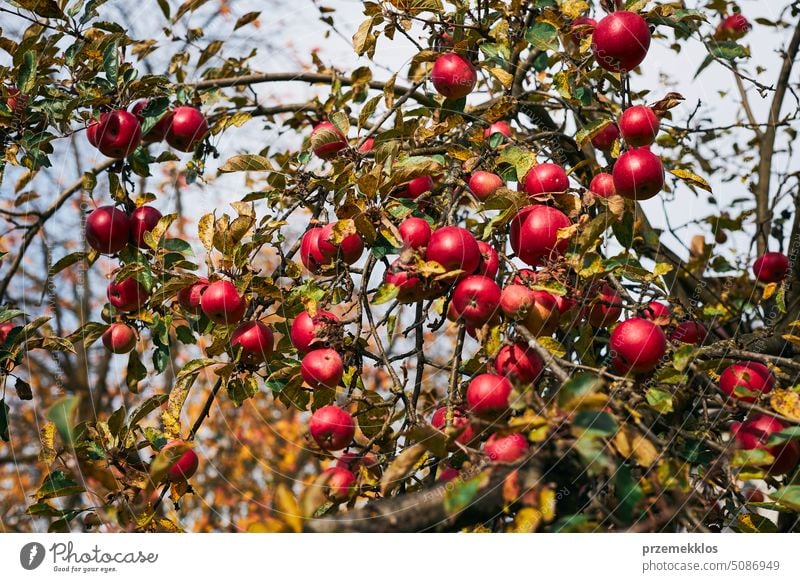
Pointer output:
x,y
289,510
691,178
573,8
787,403
502,75
527,520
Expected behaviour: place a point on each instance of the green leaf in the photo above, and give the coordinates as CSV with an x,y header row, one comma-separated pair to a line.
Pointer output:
x,y
26,77
578,387
146,408
462,494
595,423
784,436
788,496
543,36
659,400
67,261
58,484
629,494
111,62
4,420
385,293
136,372
728,50
241,389
683,356
591,130
61,414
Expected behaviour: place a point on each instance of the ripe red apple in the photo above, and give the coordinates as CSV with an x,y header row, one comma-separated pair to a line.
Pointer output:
x,y
545,178
107,230
159,131
189,297
582,27
754,433
184,467
119,134
447,473
416,187
489,263
526,277
484,184
519,363
638,174
534,233
5,329
415,232
119,338
746,381
460,419
187,128
771,267
620,41
689,332
222,303
354,461
639,126
657,312
602,185
339,484
256,341
322,368
453,76
143,219
127,295
604,306
367,146
327,141
332,427
488,394
501,127
309,249
350,249
476,298
92,127
406,280
307,331
454,248
637,345
605,138
753,495
732,27
506,449
14,99
543,318
516,301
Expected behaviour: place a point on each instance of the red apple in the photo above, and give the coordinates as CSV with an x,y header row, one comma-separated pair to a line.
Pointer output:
x,y
753,495
367,146
143,219
107,230
476,298
534,233
256,341
127,295
119,134
415,232
416,187
526,277
453,76
354,461
187,128
119,338
327,141
308,331
159,130
488,394
506,449
746,381
754,433
732,27
657,312
602,185
543,318
339,484
454,248
460,419
322,368
637,345
14,98
332,428
5,329
484,184
501,127
604,306
406,280
545,178
516,301
222,303
689,332
638,174
489,263
519,363
639,126
605,138
582,27
184,467
620,41
350,249
447,474
771,267
309,249
92,127
189,297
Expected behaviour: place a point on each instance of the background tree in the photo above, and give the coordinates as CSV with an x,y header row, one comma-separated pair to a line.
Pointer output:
x,y
368,321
